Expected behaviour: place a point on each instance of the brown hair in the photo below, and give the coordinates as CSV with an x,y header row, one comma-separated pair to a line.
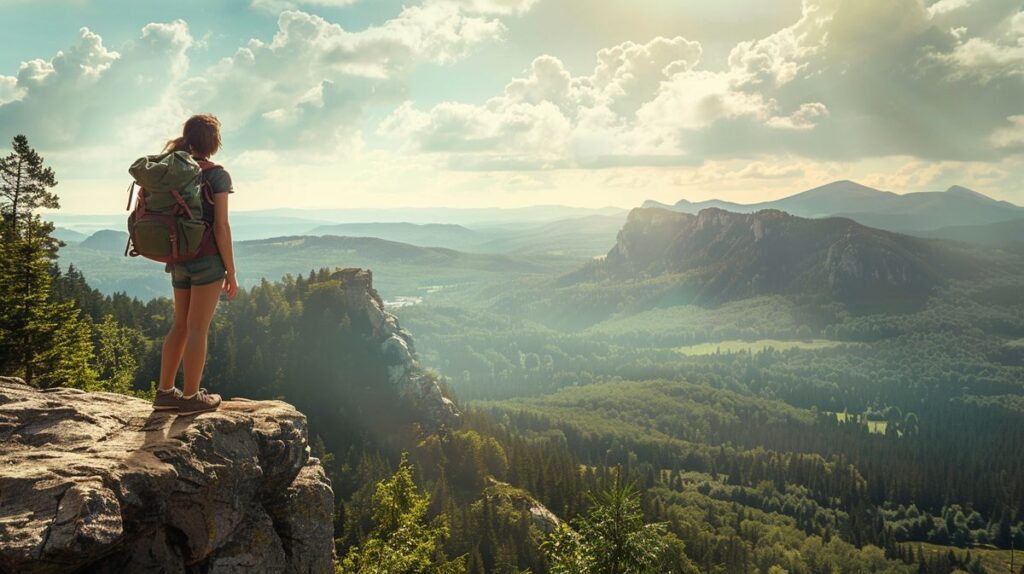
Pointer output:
x,y
200,136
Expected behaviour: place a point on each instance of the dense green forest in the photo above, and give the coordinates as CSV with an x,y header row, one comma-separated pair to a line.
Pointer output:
x,y
598,447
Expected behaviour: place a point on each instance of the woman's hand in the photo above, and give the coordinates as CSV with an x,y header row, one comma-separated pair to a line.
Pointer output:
x,y
231,285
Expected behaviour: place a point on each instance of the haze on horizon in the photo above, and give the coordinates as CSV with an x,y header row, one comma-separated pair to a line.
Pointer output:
x,y
507,103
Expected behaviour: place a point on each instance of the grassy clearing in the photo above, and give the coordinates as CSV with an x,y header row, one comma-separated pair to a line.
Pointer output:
x,y
994,560
755,346
1015,342
873,426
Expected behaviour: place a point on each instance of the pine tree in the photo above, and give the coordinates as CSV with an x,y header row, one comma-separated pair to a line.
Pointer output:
x,y
115,355
24,184
45,341
612,538
401,541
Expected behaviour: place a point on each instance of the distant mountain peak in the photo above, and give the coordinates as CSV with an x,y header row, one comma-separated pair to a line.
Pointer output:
x,y
841,186
900,212
963,191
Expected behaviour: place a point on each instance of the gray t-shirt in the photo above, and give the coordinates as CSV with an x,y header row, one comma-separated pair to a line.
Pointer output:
x,y
220,182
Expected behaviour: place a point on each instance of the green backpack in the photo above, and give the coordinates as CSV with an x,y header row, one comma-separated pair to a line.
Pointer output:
x,y
167,223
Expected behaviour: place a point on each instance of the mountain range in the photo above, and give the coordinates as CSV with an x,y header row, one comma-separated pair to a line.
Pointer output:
x,y
406,270
265,223
717,256
913,213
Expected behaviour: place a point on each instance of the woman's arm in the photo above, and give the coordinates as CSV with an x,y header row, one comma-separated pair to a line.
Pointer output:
x,y
222,233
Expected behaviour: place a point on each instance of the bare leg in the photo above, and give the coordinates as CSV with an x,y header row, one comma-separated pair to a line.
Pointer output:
x,y
174,344
200,312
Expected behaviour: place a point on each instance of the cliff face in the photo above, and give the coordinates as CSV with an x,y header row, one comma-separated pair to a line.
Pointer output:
x,y
399,352
97,482
723,255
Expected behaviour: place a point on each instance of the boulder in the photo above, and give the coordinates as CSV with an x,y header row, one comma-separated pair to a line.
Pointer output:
x,y
99,482
520,500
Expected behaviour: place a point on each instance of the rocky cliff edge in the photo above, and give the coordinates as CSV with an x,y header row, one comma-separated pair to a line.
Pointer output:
x,y
98,482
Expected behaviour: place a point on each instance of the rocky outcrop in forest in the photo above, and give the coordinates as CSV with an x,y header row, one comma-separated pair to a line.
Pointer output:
x,y
99,482
399,352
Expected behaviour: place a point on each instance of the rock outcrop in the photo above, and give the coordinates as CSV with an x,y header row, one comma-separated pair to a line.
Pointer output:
x,y
717,256
404,371
521,501
98,482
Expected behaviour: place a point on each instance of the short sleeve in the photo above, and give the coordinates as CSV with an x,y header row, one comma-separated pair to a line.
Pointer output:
x,y
220,181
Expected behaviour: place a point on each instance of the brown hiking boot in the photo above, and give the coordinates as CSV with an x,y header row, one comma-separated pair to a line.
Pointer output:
x,y
200,402
167,400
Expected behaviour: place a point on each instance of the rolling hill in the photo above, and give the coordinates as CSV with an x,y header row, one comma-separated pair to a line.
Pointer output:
x,y
586,236
106,240
69,235
423,234
406,270
1000,234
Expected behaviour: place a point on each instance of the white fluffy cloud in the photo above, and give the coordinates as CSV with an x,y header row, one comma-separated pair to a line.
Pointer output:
x,y
306,86
311,82
995,56
276,6
631,108
495,6
9,90
87,92
476,6
849,79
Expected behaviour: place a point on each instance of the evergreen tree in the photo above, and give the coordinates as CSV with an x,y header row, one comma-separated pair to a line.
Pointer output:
x,y
401,541
115,355
611,539
43,340
24,184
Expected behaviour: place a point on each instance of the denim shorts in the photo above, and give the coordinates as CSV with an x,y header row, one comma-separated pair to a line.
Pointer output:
x,y
200,271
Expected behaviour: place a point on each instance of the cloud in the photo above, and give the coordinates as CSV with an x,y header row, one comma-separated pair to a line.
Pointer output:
x,y
503,7
277,6
849,79
997,56
765,170
631,109
907,84
495,6
311,83
307,86
1011,137
888,78
88,92
9,90
947,6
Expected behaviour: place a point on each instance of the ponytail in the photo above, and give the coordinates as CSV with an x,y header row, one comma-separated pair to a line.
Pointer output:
x,y
176,144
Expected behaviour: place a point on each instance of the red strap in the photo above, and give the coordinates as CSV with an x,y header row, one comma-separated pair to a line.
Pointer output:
x,y
208,246
207,190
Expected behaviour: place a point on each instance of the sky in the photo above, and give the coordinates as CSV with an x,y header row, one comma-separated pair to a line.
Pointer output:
x,y
507,103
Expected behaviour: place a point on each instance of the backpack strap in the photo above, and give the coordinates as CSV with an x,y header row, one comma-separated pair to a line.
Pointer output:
x,y
206,165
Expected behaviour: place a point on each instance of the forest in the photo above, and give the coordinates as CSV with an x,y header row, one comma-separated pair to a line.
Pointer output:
x,y
647,458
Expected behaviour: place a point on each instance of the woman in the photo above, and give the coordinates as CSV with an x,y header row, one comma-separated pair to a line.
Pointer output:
x,y
198,283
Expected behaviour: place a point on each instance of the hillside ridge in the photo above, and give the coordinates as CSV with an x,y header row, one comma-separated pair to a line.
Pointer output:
x,y
719,255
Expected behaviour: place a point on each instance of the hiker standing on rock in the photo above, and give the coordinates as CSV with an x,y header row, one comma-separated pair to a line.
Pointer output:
x,y
181,219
